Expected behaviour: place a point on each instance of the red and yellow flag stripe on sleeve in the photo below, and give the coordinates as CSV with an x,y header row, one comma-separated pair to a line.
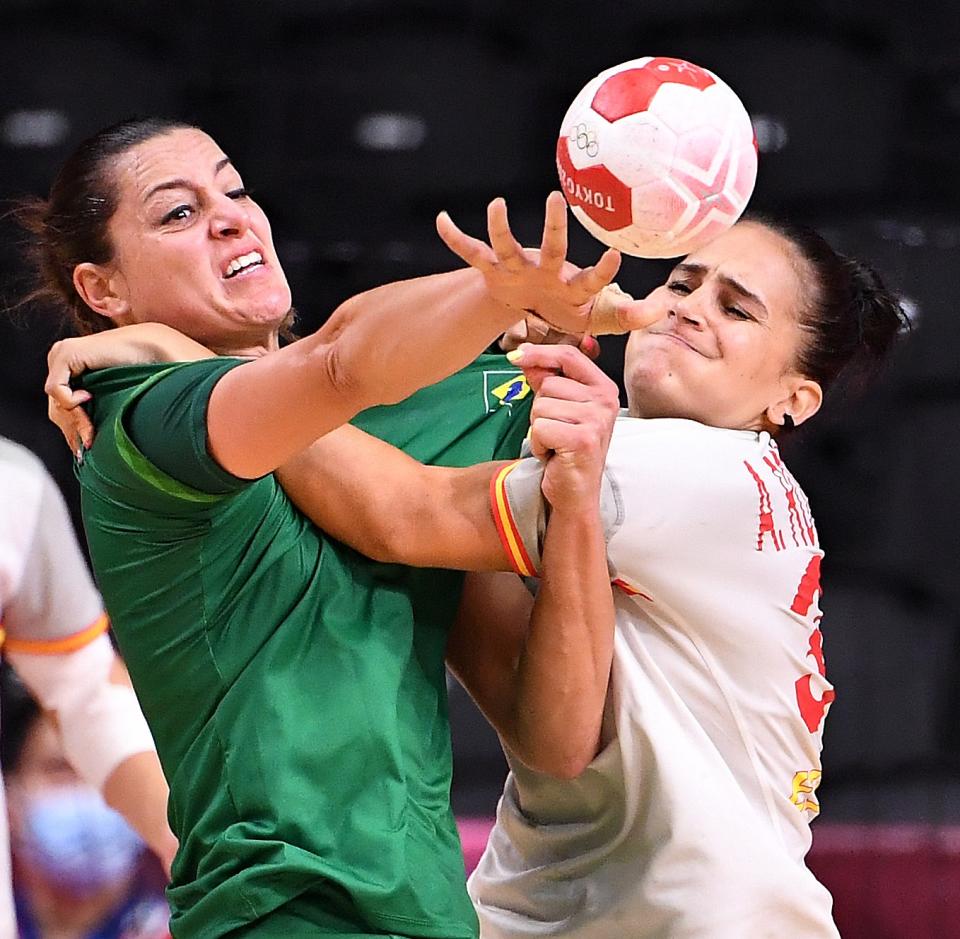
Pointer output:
x,y
506,525
57,646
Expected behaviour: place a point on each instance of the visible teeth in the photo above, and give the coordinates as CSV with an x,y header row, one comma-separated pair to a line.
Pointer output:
x,y
245,260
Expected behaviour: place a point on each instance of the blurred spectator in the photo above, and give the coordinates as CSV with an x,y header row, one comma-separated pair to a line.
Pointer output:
x,y
80,872
53,631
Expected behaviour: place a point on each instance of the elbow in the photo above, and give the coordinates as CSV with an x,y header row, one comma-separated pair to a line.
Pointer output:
x,y
564,772
355,366
571,765
336,366
566,762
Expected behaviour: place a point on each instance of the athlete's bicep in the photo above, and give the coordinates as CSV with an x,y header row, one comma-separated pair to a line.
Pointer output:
x,y
390,507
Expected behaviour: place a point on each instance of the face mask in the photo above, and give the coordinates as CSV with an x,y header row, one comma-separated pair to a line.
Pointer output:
x,y
76,840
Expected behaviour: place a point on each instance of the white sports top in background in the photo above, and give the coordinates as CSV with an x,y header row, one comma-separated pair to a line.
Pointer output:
x,y
693,821
48,603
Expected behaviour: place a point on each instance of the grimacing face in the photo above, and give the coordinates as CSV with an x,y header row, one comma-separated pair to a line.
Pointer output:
x,y
723,352
191,248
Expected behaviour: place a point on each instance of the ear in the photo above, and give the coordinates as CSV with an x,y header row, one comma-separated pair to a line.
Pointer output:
x,y
99,289
800,404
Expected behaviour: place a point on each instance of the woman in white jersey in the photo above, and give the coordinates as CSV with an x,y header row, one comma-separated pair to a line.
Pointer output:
x,y
692,819
687,813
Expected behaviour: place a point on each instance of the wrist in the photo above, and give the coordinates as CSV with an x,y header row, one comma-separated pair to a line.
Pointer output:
x,y
574,506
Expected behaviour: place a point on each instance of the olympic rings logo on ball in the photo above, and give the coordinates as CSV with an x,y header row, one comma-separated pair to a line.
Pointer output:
x,y
586,139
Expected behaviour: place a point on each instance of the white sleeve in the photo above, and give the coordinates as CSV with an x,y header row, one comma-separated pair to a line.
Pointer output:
x,y
55,624
520,512
53,605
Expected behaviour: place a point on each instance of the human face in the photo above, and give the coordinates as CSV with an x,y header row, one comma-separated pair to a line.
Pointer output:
x,y
723,351
42,764
183,220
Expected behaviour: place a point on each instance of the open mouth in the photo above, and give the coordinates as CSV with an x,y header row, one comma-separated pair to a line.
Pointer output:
x,y
243,263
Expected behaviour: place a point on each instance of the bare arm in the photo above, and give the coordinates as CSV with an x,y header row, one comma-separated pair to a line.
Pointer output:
x,y
376,348
539,670
87,692
384,344
390,507
138,790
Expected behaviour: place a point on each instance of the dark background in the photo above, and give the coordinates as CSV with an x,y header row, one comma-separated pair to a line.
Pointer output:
x,y
355,122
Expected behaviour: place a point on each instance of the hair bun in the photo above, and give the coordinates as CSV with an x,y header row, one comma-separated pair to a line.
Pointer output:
x,y
880,316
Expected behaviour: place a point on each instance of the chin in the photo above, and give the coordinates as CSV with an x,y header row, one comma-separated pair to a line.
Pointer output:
x,y
650,399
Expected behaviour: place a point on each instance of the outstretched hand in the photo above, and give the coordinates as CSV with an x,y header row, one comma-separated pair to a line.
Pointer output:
x,y
541,282
571,421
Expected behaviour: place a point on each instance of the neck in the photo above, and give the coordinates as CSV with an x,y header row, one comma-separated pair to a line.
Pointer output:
x,y
253,349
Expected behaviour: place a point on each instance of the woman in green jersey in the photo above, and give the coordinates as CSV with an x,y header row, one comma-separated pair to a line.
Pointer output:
x,y
300,719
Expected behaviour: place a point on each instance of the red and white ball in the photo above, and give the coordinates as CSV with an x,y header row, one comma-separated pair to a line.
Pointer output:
x,y
656,157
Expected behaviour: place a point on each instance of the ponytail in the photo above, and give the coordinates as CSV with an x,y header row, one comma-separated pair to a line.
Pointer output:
x,y
850,319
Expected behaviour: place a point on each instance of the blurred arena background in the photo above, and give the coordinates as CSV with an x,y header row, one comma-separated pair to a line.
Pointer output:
x,y
355,121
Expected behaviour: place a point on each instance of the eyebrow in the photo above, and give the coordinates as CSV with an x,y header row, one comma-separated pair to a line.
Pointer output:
x,y
701,269
181,183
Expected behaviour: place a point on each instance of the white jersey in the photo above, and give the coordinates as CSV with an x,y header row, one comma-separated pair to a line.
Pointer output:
x,y
48,603
693,821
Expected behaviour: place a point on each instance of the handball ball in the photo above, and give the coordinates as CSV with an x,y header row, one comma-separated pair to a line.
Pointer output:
x,y
656,157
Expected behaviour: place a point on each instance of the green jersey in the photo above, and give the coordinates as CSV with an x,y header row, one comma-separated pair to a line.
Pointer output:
x,y
300,717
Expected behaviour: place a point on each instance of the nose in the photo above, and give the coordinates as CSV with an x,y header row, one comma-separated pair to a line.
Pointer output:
x,y
229,218
689,309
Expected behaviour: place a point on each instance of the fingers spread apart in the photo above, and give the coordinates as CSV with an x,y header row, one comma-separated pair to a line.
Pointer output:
x,y
508,250
553,247
591,280
475,252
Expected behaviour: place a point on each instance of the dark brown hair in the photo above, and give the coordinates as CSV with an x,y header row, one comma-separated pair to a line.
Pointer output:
x,y
850,319
70,226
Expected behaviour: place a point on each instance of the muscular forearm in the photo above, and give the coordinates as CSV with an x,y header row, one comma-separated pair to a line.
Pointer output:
x,y
397,338
377,348
564,667
388,506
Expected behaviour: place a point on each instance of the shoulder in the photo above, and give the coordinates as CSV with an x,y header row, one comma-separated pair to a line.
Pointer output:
x,y
683,483
680,455
152,390
22,474
17,459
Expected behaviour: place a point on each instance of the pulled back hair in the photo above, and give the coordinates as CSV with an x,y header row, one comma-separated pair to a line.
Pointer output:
x,y
70,226
850,319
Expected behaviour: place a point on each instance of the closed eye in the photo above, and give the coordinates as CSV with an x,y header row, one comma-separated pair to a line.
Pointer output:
x,y
739,314
678,286
241,193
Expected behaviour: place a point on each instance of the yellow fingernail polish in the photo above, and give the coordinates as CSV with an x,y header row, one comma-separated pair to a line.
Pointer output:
x,y
515,356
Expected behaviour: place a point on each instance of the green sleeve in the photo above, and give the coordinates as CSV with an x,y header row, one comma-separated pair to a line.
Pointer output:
x,y
167,423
